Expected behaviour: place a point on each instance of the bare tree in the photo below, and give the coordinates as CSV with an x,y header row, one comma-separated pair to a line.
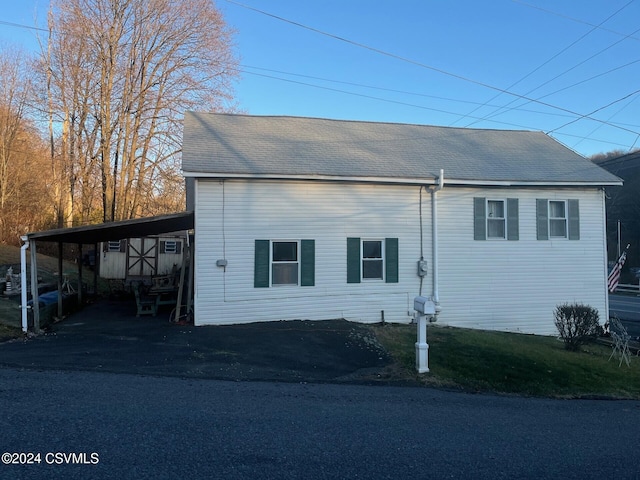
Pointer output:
x,y
23,189
122,74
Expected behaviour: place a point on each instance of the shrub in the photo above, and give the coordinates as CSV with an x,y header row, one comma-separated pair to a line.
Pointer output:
x,y
577,324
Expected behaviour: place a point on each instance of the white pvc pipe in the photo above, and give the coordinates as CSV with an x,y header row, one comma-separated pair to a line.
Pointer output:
x,y
23,282
434,232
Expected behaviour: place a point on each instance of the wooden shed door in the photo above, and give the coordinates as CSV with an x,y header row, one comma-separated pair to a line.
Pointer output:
x,y
142,256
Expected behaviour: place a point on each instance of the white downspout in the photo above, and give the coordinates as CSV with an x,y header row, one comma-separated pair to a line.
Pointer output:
x,y
23,282
434,232
605,247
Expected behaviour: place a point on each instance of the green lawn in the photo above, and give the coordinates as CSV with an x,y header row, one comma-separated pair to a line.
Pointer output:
x,y
483,361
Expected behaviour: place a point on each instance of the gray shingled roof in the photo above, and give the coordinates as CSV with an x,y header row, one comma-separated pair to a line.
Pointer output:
x,y
246,145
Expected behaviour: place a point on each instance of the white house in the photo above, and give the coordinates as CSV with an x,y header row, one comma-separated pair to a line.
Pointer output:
x,y
304,218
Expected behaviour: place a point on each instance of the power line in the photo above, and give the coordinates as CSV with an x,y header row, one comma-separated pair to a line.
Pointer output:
x,y
397,102
572,18
391,90
419,106
504,109
419,64
588,115
608,119
595,27
574,67
18,25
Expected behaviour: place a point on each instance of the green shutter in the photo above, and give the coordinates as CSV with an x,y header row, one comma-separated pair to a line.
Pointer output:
x,y
542,219
479,218
513,225
574,220
391,260
353,260
261,264
308,263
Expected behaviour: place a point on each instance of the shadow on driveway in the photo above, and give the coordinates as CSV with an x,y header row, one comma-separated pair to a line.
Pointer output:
x,y
107,336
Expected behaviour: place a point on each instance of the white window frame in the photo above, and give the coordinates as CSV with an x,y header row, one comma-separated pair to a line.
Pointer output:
x,y
113,246
565,219
372,259
503,218
171,246
272,262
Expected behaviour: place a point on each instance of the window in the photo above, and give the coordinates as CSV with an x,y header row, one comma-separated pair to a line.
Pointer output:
x,y
496,221
113,246
170,246
372,259
284,263
557,219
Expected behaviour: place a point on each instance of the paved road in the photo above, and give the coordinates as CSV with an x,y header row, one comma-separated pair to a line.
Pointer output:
x,y
162,427
627,309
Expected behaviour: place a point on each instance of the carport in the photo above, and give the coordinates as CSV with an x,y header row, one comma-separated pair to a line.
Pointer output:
x,y
92,235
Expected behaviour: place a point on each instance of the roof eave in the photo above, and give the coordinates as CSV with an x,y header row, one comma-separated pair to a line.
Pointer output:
x,y
402,180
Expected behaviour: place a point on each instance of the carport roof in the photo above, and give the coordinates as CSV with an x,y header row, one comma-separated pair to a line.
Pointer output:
x,y
139,227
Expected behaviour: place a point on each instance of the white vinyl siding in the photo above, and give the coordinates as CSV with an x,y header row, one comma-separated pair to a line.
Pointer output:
x,y
329,213
514,286
510,285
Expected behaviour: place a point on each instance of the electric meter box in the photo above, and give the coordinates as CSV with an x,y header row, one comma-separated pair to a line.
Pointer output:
x,y
424,306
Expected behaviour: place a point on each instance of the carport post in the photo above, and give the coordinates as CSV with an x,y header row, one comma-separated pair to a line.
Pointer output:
x,y
79,275
59,280
34,288
23,283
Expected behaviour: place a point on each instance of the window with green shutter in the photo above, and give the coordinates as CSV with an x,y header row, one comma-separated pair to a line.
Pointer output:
x,y
496,219
557,219
284,263
372,259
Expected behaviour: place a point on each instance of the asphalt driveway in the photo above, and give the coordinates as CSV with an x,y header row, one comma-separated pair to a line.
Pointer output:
x,y
107,336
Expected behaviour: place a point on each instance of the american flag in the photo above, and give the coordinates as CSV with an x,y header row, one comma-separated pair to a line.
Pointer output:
x,y
614,276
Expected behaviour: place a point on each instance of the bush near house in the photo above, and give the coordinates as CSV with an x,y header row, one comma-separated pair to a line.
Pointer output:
x,y
577,324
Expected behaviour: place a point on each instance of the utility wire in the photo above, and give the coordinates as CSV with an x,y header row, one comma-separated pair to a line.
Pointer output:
x,y
570,69
518,107
419,64
17,25
610,117
413,105
595,27
572,18
397,102
383,89
588,115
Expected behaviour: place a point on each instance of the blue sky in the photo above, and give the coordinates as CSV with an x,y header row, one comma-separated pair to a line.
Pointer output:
x,y
563,67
